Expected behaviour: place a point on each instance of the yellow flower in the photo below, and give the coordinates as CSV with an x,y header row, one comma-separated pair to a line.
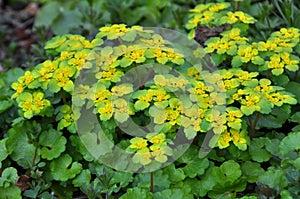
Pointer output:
x,y
218,6
247,53
138,143
224,140
64,55
32,104
113,32
27,78
18,87
236,137
157,139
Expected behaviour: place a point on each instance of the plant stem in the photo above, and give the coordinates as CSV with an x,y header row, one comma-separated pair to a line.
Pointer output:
x,y
34,156
253,125
63,96
151,182
236,5
296,75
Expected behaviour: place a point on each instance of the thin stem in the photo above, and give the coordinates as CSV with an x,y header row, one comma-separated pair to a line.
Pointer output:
x,y
253,125
236,5
34,156
63,96
151,182
296,75
106,195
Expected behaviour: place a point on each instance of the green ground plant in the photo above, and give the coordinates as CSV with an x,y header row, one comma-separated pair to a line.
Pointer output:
x,y
249,106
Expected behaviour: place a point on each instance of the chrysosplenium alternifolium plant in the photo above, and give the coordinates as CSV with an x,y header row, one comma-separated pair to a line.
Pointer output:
x,y
130,77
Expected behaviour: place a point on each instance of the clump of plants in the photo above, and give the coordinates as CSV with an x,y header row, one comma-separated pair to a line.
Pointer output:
x,y
230,132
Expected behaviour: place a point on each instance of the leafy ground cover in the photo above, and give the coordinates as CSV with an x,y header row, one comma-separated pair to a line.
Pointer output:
x,y
243,118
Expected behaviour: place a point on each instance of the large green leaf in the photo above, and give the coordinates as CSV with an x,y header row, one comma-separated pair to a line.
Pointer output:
x,y
3,150
22,151
8,177
137,193
290,143
10,192
193,164
274,178
63,168
257,149
53,144
252,170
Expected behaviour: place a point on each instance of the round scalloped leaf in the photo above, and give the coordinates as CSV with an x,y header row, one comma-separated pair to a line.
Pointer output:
x,y
141,105
8,176
3,150
228,172
63,168
18,144
290,143
53,144
194,165
274,179
10,192
252,170
257,149
137,192
83,178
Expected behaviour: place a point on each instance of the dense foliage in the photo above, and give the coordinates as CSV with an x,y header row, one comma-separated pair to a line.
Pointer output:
x,y
243,116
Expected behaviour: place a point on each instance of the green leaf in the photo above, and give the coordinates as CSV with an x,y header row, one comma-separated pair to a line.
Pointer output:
x,y
236,61
83,178
3,150
8,177
252,170
158,114
295,117
275,119
63,168
129,36
297,163
281,80
194,165
170,194
160,180
141,105
175,174
285,194
77,143
228,172
18,144
274,179
257,150
258,60
53,144
190,133
53,87
293,87
5,104
121,117
290,143
47,14
10,192
66,21
205,184
218,58
247,110
122,179
137,193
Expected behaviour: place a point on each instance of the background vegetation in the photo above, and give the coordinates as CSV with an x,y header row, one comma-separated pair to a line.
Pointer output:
x,y
38,159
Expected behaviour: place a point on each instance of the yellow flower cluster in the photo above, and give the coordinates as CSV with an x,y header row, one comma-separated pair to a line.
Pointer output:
x,y
227,44
32,103
152,148
215,14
